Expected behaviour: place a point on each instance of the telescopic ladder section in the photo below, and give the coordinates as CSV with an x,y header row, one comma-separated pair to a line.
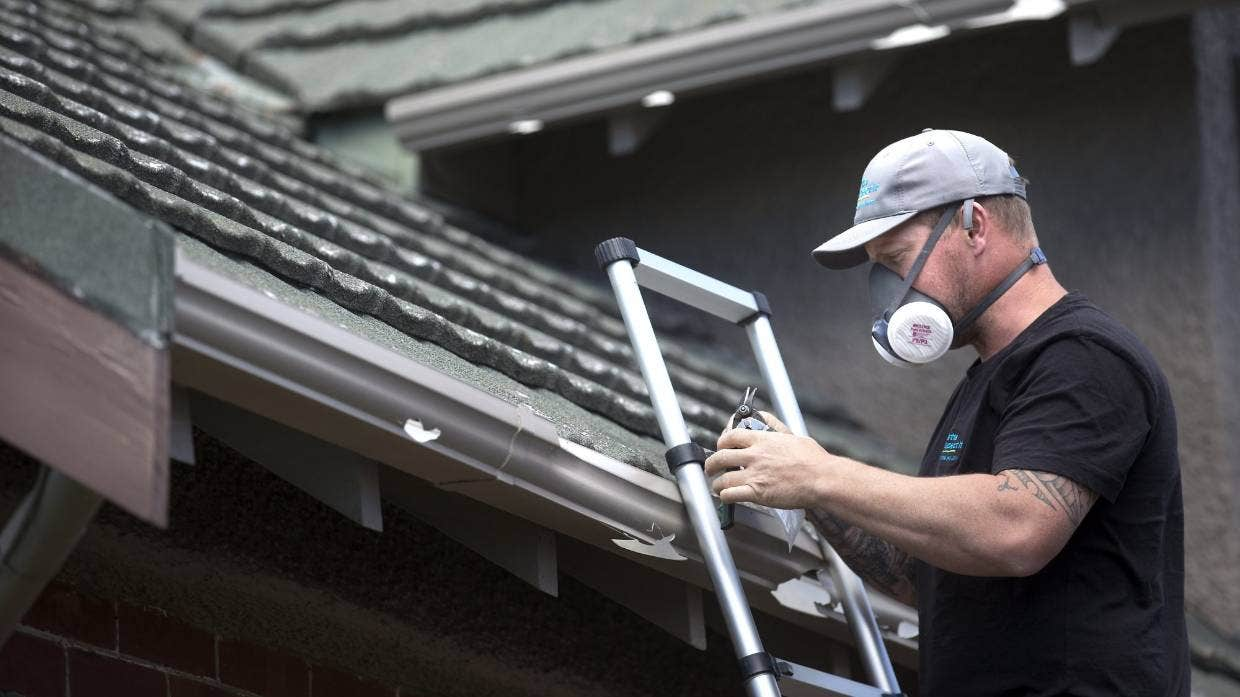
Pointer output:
x,y
629,268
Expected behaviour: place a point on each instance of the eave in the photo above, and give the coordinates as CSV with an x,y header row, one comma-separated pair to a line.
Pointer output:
x,y
685,63
240,346
858,37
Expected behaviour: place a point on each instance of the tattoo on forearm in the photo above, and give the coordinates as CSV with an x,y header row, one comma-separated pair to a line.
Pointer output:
x,y
879,562
1056,492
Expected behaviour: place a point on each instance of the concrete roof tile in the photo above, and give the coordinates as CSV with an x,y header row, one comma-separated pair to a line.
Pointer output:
x,y
253,189
329,54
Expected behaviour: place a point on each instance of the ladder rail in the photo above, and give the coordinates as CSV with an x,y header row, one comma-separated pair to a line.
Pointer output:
x,y
690,478
856,601
629,268
771,365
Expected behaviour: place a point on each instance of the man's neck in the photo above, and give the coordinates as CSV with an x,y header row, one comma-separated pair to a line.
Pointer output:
x,y
1018,308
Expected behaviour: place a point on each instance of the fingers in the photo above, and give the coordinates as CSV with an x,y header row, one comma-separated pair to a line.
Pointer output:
x,y
723,461
745,493
738,438
723,482
731,488
774,422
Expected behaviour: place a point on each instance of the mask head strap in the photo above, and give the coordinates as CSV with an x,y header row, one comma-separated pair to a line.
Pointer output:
x,y
1035,258
935,234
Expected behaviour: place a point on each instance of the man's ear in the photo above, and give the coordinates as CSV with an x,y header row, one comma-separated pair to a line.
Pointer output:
x,y
982,227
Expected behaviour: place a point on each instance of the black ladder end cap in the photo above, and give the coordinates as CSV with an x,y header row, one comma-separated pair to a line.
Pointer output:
x,y
610,251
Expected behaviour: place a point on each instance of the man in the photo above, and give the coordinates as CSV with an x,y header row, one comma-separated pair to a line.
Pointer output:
x,y
1042,541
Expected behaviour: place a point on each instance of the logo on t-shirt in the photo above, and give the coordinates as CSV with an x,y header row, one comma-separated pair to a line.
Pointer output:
x,y
952,447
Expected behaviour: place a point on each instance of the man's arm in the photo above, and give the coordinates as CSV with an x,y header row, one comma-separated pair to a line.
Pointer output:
x,y
877,561
1007,524
1056,492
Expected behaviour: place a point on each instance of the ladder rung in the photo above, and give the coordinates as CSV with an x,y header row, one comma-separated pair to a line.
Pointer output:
x,y
799,681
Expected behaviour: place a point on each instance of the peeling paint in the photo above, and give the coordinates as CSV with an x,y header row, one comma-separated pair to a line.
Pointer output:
x,y
661,549
419,433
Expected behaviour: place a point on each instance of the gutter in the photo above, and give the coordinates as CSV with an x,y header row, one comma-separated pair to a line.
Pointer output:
x,y
239,345
617,82
684,63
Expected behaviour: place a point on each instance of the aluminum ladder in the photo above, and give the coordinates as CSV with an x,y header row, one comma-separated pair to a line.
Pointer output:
x,y
630,268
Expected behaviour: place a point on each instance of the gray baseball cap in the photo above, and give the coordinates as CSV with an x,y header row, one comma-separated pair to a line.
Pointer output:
x,y
930,169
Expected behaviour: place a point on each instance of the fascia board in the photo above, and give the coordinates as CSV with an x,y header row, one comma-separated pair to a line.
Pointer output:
x,y
491,450
684,63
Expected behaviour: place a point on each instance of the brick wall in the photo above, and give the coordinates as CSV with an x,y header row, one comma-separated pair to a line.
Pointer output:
x,y
72,645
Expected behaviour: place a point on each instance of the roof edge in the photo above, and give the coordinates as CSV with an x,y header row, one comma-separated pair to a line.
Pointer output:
x,y
236,343
686,62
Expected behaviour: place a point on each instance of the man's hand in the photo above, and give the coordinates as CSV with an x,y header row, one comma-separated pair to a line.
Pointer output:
x,y
768,417
778,469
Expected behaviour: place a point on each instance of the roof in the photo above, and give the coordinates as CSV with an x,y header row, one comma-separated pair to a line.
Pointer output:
x,y
333,54
161,41
308,291
251,201
454,72
861,39
247,196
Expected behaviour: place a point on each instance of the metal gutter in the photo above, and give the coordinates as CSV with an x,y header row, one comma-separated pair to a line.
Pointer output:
x,y
237,344
684,63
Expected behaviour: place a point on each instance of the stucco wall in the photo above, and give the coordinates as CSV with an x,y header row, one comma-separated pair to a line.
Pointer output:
x,y
743,184
252,560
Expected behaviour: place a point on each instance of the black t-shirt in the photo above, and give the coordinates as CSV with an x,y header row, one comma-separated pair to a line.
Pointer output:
x,y
1075,394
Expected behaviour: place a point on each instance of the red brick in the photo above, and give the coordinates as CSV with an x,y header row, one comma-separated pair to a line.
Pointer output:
x,y
62,611
32,667
326,682
93,675
153,635
182,687
266,672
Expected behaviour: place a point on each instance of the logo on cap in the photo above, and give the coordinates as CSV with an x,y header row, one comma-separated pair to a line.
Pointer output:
x,y
866,196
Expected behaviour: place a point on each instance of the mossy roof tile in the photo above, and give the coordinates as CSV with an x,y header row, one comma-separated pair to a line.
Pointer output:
x,y
249,188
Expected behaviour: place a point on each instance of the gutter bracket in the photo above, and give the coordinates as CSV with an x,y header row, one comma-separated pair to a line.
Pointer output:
x,y
181,438
673,605
524,549
1089,38
854,82
627,130
340,478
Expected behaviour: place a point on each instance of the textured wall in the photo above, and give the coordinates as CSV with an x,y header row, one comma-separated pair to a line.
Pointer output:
x,y
743,184
251,558
275,577
1216,486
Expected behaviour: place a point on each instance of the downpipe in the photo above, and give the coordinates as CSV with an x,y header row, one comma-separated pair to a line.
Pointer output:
x,y
37,539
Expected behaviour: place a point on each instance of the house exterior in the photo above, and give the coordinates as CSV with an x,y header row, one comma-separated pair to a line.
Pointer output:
x,y
347,447
386,455
1131,150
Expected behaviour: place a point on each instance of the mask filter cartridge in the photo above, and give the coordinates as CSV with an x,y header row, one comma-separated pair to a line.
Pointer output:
x,y
920,332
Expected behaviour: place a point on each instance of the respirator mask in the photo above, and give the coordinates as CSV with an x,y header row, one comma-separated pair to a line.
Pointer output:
x,y
910,327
